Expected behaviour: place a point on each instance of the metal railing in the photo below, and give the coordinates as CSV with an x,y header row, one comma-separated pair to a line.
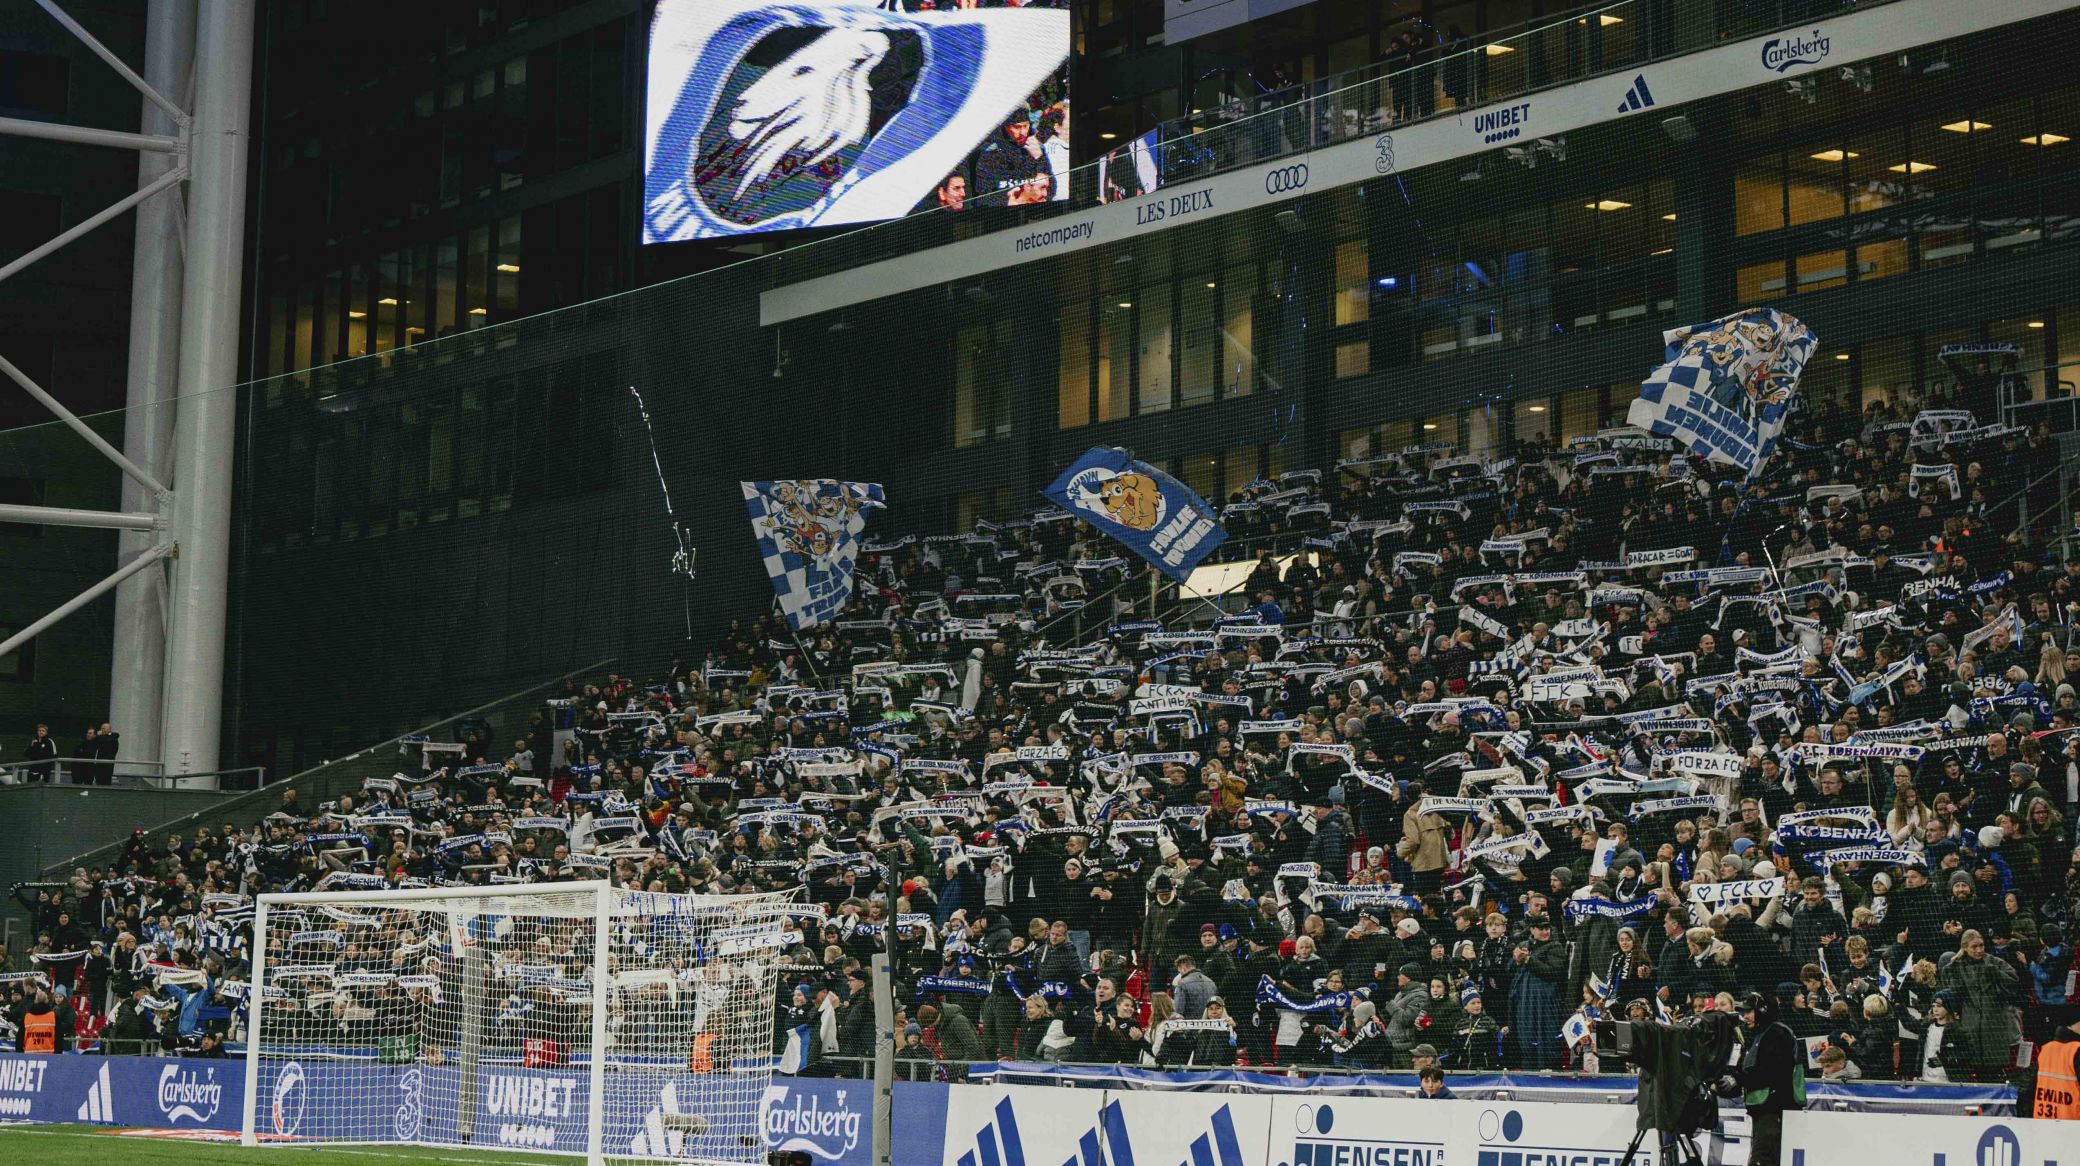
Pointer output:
x,y
96,771
321,782
1228,133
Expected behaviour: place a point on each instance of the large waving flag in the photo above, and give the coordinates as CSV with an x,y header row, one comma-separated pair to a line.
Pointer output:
x,y
1153,514
1725,388
808,532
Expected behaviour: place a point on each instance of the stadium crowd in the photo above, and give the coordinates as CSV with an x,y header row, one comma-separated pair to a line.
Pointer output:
x,y
1495,747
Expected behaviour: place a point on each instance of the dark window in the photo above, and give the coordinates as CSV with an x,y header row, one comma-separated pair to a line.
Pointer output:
x,y
21,492
20,664
33,83
26,221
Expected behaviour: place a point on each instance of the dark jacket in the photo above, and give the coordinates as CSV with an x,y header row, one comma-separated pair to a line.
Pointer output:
x,y
1768,1063
957,1038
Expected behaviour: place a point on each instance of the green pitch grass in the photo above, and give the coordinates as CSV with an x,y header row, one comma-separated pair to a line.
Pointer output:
x,y
85,1145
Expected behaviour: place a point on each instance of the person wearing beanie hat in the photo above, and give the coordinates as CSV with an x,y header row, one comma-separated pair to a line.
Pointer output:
x,y
1946,1049
2023,788
1406,1013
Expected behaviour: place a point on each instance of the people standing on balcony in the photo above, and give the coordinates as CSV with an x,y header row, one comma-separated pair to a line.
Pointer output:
x,y
38,752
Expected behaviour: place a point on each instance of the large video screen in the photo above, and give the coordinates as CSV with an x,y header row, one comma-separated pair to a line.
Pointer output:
x,y
767,116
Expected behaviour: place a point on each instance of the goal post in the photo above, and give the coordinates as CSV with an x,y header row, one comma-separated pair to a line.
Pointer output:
x,y
559,1018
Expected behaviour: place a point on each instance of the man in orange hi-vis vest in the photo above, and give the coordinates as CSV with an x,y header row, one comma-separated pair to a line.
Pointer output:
x,y
2057,1092
38,1024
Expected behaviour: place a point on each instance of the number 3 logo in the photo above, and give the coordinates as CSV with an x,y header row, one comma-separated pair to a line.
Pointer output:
x,y
1384,163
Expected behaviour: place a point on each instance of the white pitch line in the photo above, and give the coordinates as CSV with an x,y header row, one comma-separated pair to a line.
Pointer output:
x,y
104,1138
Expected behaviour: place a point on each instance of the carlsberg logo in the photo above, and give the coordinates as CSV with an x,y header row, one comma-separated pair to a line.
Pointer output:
x,y
185,1094
801,1123
1788,52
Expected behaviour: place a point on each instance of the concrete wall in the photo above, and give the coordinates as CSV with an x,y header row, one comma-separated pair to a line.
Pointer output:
x,y
48,824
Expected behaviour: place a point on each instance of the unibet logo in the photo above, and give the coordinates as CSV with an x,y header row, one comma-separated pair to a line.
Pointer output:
x,y
531,1096
24,1076
539,1136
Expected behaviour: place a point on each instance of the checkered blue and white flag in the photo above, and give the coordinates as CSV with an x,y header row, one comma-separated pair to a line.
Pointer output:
x,y
1725,388
808,533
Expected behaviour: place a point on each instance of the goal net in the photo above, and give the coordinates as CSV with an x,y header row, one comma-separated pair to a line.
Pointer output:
x,y
567,1018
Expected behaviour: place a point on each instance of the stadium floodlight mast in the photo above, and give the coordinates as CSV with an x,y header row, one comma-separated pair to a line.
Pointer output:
x,y
565,1018
167,674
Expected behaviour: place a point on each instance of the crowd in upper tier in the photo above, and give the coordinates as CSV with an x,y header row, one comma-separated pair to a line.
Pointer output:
x,y
1487,747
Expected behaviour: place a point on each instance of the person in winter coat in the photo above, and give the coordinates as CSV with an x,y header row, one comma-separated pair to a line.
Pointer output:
x,y
856,1021
1946,1047
1913,916
1160,923
1766,1076
1672,970
132,1026
1536,996
1203,1047
1627,972
1410,1002
1755,949
1332,832
1441,1014
1474,1042
1874,1045
1815,924
1912,998
2049,969
1424,844
951,1036
1987,987
1495,967
1057,961
1364,1043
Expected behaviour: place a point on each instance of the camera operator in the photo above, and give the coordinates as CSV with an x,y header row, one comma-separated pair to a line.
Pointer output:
x,y
1771,1076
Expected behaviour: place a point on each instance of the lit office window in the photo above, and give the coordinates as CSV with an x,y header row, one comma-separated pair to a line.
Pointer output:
x,y
1199,341
1073,372
506,271
1155,325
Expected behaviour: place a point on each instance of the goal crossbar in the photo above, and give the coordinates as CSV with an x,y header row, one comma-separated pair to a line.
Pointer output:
x,y
656,1007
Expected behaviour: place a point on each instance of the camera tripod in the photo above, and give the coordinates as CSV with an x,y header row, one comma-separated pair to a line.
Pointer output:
x,y
1691,1155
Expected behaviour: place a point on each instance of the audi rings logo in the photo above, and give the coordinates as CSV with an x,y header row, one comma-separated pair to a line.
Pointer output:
x,y
1286,179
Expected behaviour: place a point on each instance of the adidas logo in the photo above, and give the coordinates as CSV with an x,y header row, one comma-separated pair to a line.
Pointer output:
x,y
1637,97
1107,1144
100,1105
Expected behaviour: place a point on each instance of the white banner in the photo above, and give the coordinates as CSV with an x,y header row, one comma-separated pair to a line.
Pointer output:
x,y
1036,1124
1817,1137
1348,1131
1707,764
1734,892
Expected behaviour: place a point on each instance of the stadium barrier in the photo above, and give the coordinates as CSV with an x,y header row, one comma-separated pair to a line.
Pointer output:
x,y
1239,1123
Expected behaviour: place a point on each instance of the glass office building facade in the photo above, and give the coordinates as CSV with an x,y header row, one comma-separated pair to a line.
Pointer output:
x,y
448,490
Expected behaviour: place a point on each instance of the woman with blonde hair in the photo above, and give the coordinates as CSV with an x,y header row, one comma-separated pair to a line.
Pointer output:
x,y
1161,1008
1909,817
2051,665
